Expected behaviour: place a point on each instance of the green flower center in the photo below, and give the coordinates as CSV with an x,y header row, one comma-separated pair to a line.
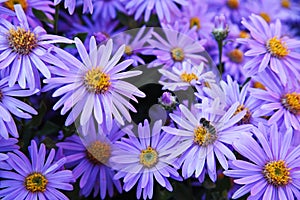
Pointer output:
x,y
148,157
177,54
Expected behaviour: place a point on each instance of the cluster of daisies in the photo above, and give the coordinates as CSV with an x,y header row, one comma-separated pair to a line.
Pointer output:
x,y
238,118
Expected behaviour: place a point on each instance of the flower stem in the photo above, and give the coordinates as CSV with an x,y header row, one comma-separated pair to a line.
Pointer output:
x,y
220,47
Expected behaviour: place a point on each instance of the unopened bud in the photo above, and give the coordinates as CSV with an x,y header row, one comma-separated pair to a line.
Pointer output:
x,y
221,28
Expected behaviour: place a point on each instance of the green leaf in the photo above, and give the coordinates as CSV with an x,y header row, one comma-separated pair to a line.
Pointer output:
x,y
42,16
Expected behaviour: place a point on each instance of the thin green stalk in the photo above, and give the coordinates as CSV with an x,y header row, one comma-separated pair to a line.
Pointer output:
x,y
220,47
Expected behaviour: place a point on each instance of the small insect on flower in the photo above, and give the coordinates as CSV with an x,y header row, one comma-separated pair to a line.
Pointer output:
x,y
206,124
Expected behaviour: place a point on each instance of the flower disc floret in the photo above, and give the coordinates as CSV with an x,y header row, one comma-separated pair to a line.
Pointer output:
x,y
286,3
149,157
244,34
97,81
11,3
277,48
234,4
204,136
236,56
22,41
277,173
265,16
98,152
195,21
188,77
291,102
36,182
128,50
177,54
246,118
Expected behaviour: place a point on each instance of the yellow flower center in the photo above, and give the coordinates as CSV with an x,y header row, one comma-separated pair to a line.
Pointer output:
x,y
246,118
285,3
148,157
1,95
291,102
236,56
36,182
188,77
98,152
233,4
97,81
177,54
277,173
128,50
277,48
259,85
195,21
22,41
10,4
244,34
265,16
205,134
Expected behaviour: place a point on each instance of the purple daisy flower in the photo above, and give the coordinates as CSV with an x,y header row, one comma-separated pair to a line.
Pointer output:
x,y
101,30
90,156
164,8
9,104
176,48
25,52
196,14
46,7
272,167
269,48
136,41
189,75
38,178
142,160
234,60
289,10
229,92
107,9
267,9
71,4
232,9
280,102
94,87
204,135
